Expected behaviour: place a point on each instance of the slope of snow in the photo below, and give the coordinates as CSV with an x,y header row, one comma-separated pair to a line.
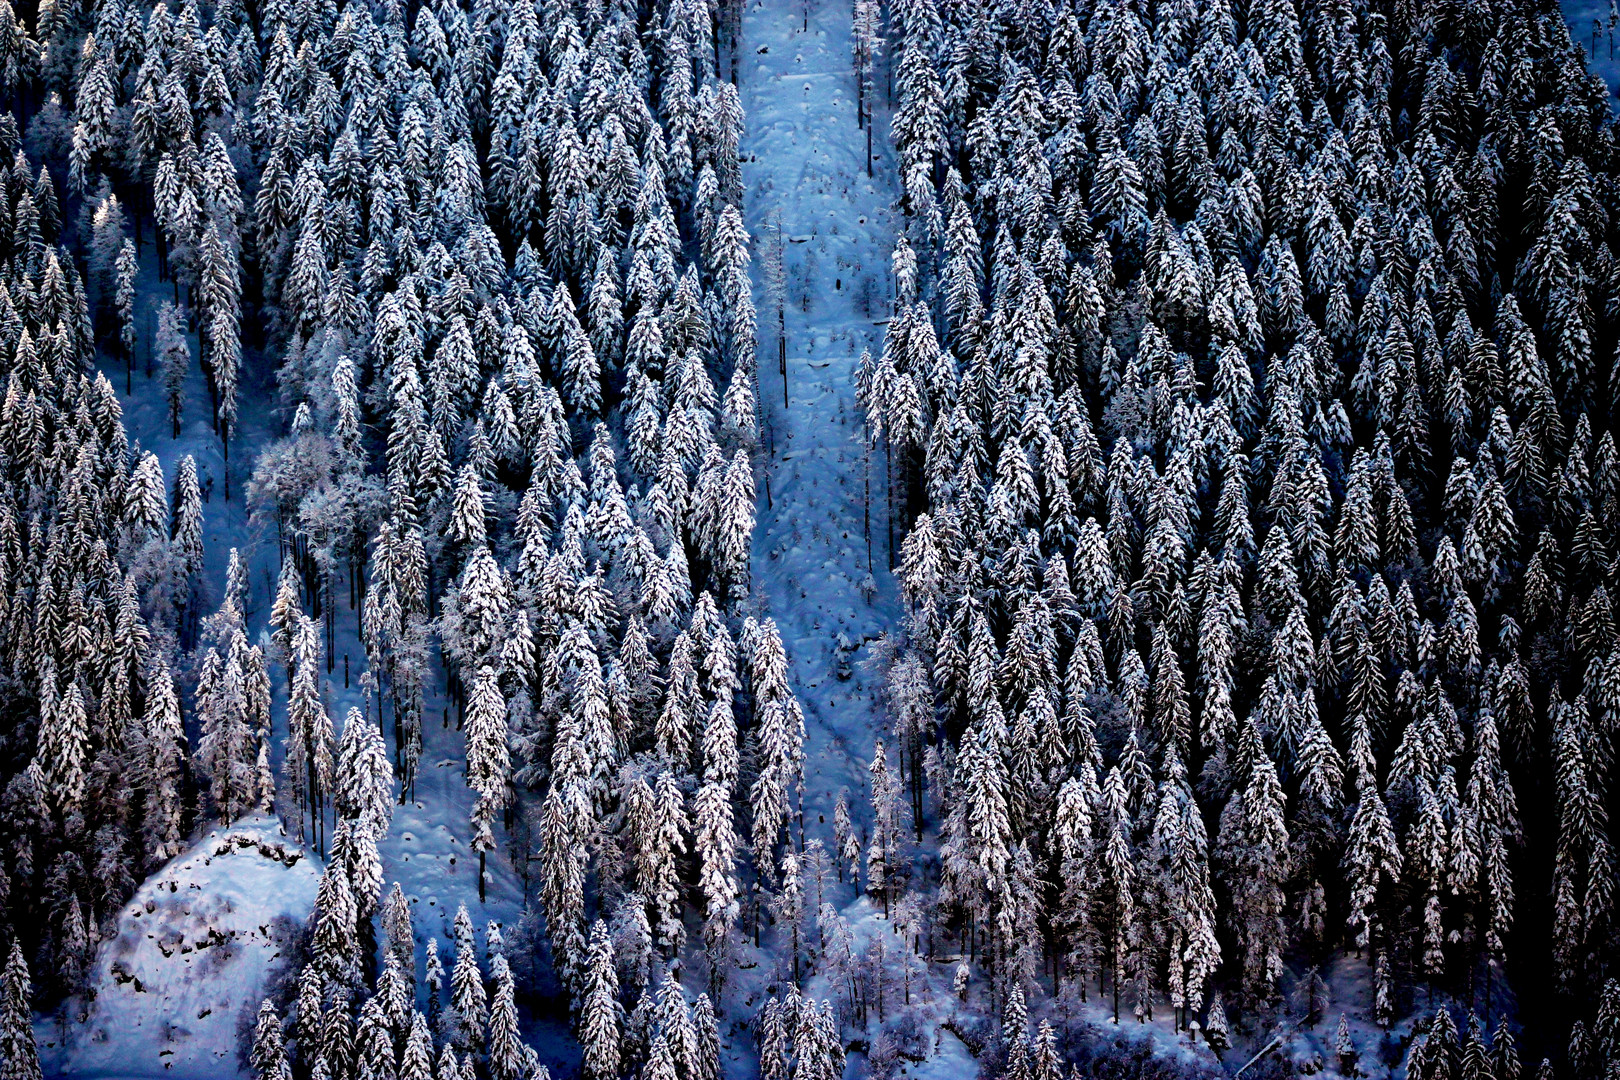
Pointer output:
x,y
951,1060
805,160
805,165
194,952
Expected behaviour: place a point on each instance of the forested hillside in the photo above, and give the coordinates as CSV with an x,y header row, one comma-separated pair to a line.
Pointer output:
x,y
1249,399
1182,633
491,266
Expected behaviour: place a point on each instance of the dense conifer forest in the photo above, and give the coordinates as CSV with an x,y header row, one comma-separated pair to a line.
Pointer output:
x,y
1224,453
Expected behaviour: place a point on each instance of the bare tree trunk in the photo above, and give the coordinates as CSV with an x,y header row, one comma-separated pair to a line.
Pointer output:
x,y
888,483
866,503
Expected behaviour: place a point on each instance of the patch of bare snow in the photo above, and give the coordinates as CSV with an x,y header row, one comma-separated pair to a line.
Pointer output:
x,y
196,947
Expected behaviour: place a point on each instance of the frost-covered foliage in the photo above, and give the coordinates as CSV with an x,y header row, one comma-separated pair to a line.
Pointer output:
x,y
96,577
1250,396
504,264
495,256
1247,412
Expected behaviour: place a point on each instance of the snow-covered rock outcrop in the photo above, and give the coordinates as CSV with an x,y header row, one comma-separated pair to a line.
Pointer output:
x,y
195,948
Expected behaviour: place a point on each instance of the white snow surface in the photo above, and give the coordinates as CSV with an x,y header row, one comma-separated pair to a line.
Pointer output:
x,y
194,951
804,158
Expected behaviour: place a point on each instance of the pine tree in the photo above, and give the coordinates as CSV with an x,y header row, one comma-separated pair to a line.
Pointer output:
x,y
335,947
1371,855
64,748
846,840
781,741
1216,1030
19,1058
125,270
363,777
166,741
883,843
715,842
416,1061
467,997
269,1056
488,762
599,1024
174,357
308,726
1254,839
706,1026
505,1051
397,932
433,982
186,531
374,1043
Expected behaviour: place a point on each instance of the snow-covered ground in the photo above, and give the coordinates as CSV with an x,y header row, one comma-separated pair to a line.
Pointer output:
x,y
805,166
805,159
195,949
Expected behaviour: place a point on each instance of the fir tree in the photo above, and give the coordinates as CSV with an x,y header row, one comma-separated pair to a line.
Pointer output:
x,y
18,1056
